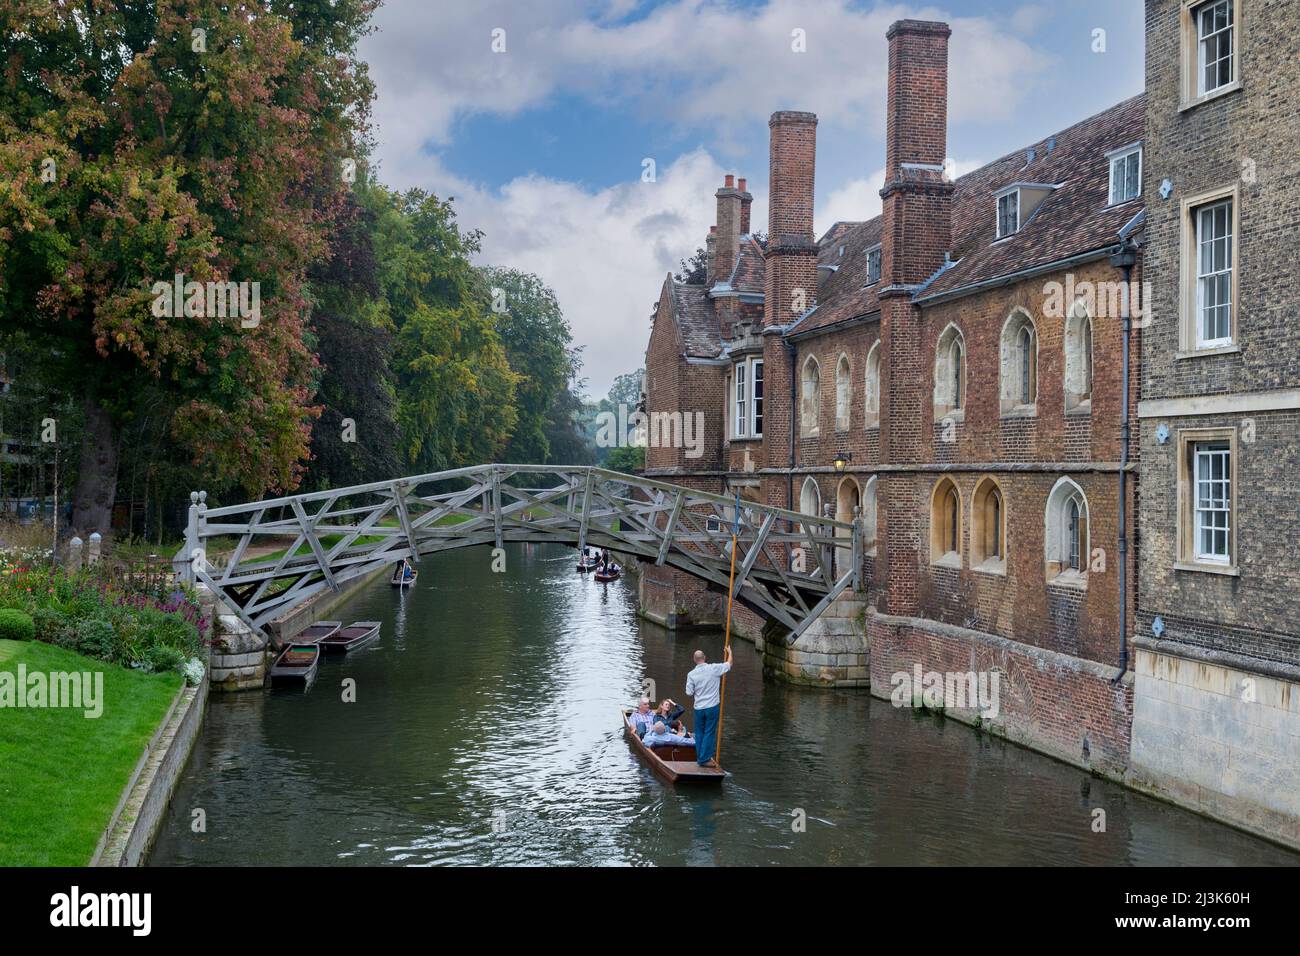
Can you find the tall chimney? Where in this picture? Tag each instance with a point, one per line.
(917, 201)
(728, 245)
(745, 200)
(791, 279)
(917, 234)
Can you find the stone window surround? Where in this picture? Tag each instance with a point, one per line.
(1011, 373)
(810, 398)
(871, 397)
(1188, 317)
(1190, 55)
(1079, 368)
(941, 528)
(1053, 537)
(946, 403)
(1185, 544)
(981, 560)
(751, 399)
(843, 393)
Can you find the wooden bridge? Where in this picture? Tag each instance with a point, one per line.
(785, 564)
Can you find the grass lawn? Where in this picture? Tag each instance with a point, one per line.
(61, 773)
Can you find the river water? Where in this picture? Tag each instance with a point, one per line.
(485, 731)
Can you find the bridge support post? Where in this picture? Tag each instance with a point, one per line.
(833, 652)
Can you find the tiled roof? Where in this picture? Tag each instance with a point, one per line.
(844, 293)
(1072, 219)
(750, 274)
(697, 324)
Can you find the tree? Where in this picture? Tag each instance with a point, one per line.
(695, 269)
(142, 141)
(536, 337)
(455, 389)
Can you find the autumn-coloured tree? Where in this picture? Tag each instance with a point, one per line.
(144, 140)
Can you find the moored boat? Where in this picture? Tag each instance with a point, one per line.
(296, 664)
(672, 762)
(313, 633)
(351, 637)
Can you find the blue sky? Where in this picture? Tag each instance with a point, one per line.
(543, 143)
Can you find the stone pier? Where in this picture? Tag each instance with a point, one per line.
(239, 654)
(833, 652)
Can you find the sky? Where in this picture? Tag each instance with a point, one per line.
(545, 119)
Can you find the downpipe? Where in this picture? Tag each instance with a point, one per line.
(1124, 259)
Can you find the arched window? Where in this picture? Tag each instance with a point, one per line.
(810, 498)
(870, 519)
(988, 527)
(873, 386)
(843, 393)
(1078, 358)
(810, 399)
(945, 524)
(848, 504)
(949, 373)
(1019, 364)
(1067, 534)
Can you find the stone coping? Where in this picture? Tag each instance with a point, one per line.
(135, 822)
(1209, 655)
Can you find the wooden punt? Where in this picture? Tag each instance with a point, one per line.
(351, 637)
(610, 574)
(676, 764)
(317, 632)
(586, 564)
(296, 664)
(399, 581)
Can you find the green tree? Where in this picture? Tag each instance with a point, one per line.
(135, 149)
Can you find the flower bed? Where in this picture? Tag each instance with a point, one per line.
(114, 613)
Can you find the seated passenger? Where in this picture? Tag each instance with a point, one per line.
(670, 712)
(659, 734)
(642, 717)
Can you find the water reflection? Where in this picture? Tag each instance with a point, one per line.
(485, 731)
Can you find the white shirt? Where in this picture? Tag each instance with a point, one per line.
(703, 684)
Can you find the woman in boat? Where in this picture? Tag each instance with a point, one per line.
(670, 712)
(642, 717)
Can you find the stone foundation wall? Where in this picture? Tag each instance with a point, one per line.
(1060, 705)
(835, 651)
(1220, 739)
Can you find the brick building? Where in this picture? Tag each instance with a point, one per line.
(963, 372)
(1217, 715)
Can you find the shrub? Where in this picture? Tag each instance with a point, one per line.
(16, 626)
(164, 658)
(52, 625)
(95, 637)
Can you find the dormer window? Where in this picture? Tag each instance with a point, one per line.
(873, 265)
(1008, 213)
(841, 252)
(1125, 174)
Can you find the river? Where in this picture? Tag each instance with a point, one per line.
(484, 731)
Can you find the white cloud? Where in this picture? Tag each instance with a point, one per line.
(697, 63)
(605, 252)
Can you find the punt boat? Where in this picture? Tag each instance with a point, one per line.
(673, 763)
(317, 632)
(296, 664)
(402, 581)
(351, 637)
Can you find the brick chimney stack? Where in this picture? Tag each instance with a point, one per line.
(917, 201)
(917, 234)
(745, 200)
(711, 246)
(730, 201)
(791, 281)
